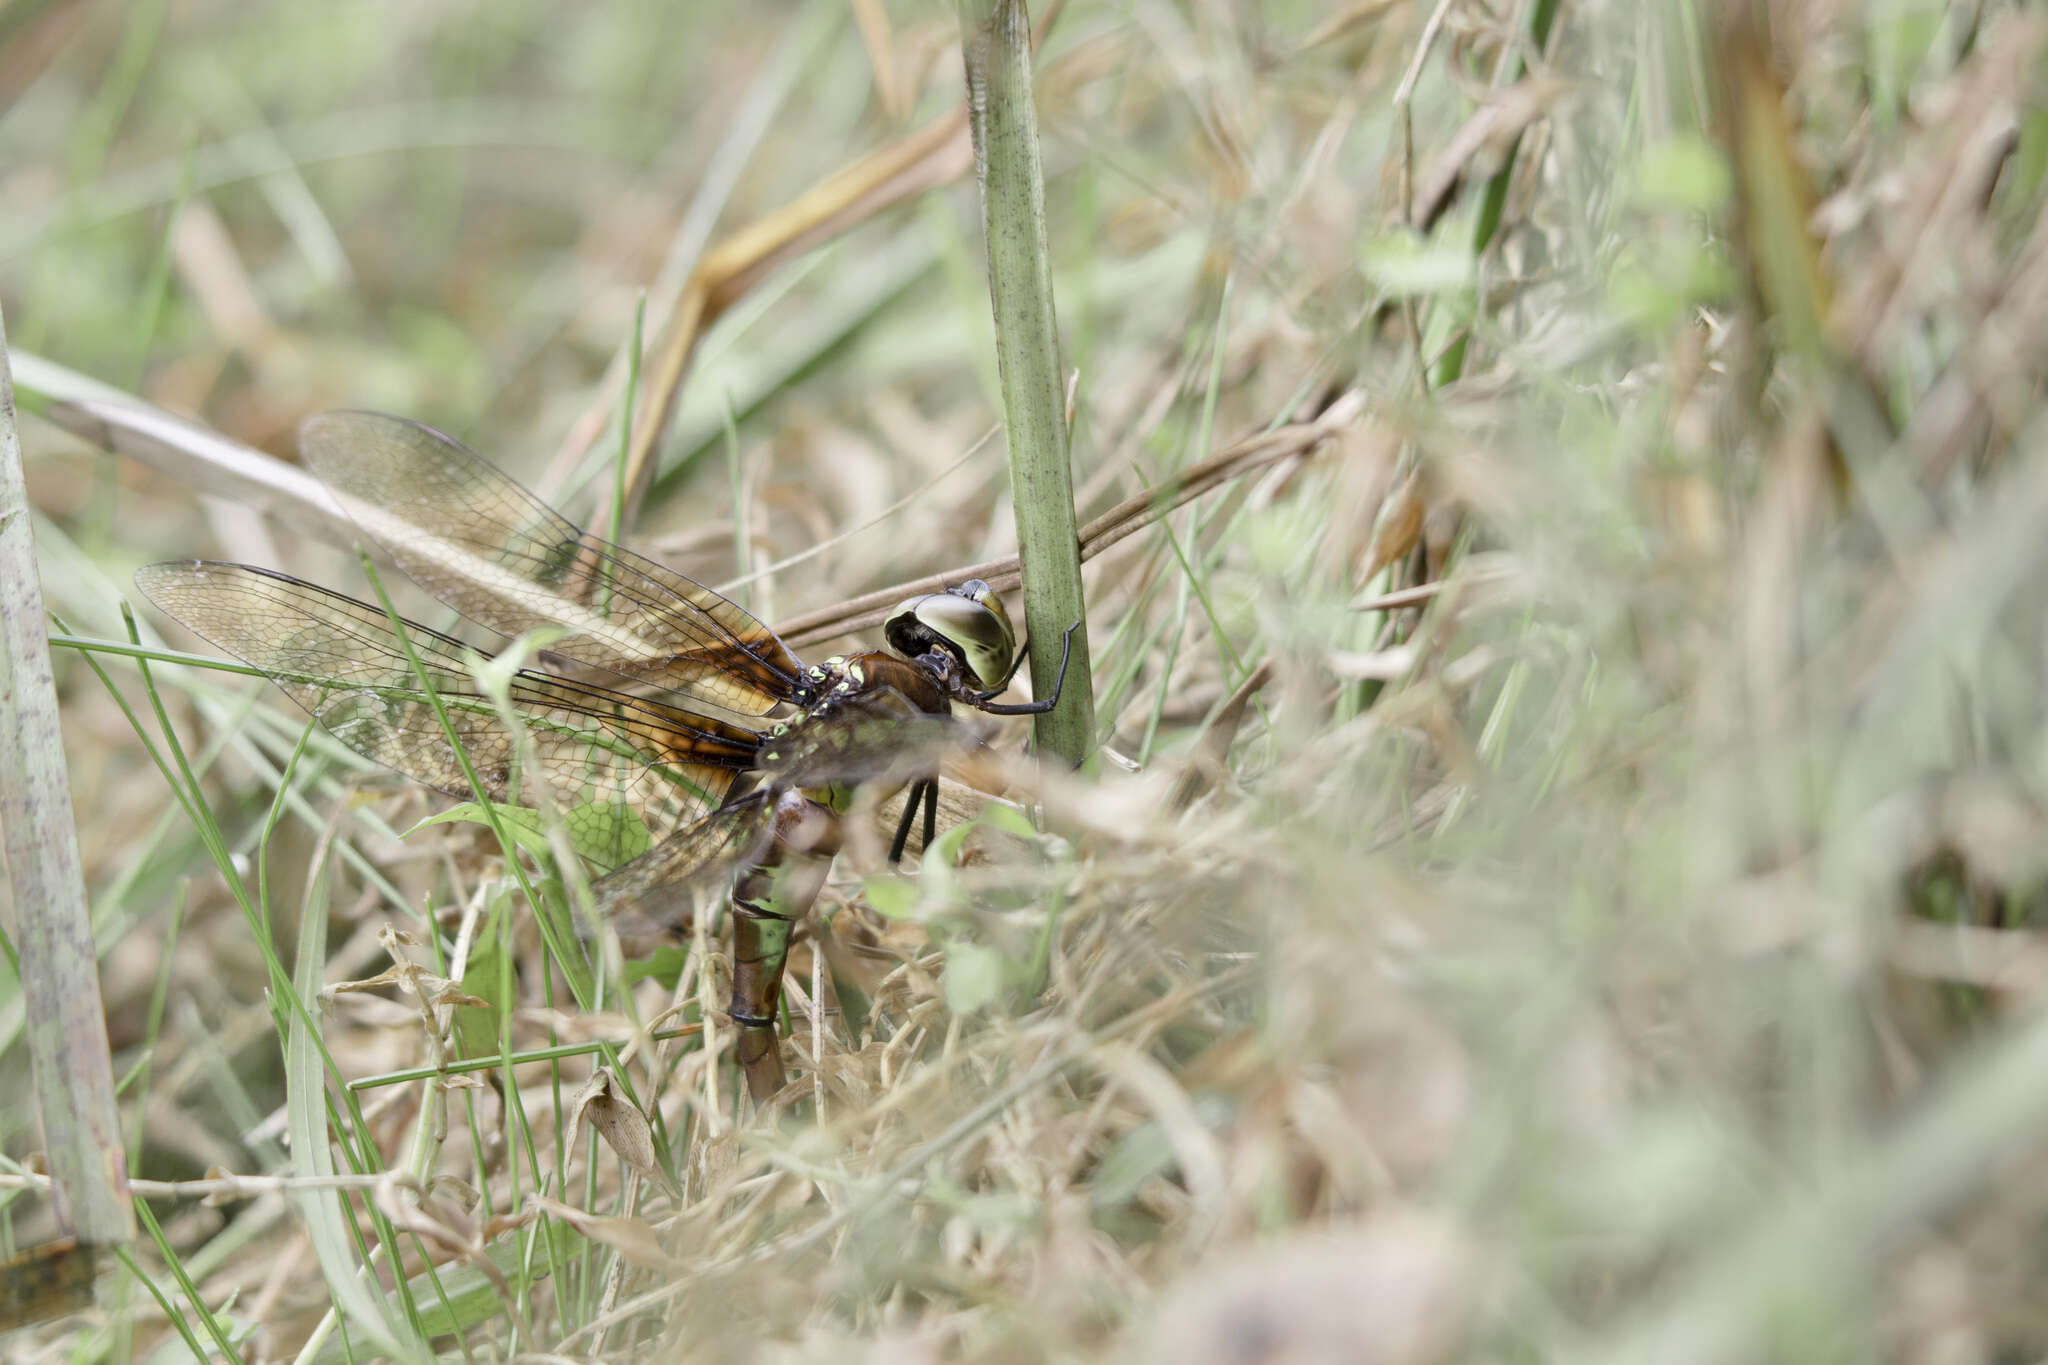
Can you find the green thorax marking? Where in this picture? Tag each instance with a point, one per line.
(838, 676)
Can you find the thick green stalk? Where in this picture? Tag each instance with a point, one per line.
(996, 41)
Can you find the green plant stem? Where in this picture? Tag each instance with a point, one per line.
(1542, 15)
(996, 44)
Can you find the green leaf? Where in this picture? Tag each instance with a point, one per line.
(1896, 45)
(606, 833)
(1657, 283)
(1404, 262)
(1681, 172)
(893, 897)
(494, 672)
(522, 825)
(1136, 1157)
(2029, 168)
(558, 927)
(373, 1314)
(973, 977)
(945, 849)
(665, 964)
(455, 1298)
(1005, 818)
(488, 977)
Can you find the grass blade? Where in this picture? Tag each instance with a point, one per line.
(67, 1034)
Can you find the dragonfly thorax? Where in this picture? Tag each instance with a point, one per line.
(843, 679)
(817, 686)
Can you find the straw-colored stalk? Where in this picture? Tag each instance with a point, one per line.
(67, 1034)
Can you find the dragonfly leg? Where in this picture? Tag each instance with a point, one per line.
(770, 896)
(982, 700)
(925, 790)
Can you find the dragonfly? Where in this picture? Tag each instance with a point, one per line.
(672, 734)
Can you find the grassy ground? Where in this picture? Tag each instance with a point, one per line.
(1562, 875)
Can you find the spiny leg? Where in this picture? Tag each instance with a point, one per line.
(767, 900)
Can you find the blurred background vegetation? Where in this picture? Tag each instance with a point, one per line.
(1565, 878)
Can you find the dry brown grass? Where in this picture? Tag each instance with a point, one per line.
(1568, 889)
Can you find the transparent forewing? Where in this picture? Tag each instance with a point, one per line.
(603, 758)
(472, 536)
(656, 889)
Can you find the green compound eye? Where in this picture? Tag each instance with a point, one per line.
(967, 622)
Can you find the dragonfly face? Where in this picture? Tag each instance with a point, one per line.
(661, 791)
(966, 624)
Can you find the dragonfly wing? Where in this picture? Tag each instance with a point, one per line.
(877, 738)
(475, 538)
(657, 889)
(595, 753)
(874, 738)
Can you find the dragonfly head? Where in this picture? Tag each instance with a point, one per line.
(967, 622)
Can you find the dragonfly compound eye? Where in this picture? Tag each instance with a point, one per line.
(967, 622)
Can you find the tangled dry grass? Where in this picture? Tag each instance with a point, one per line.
(1561, 881)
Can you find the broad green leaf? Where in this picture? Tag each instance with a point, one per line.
(893, 897)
